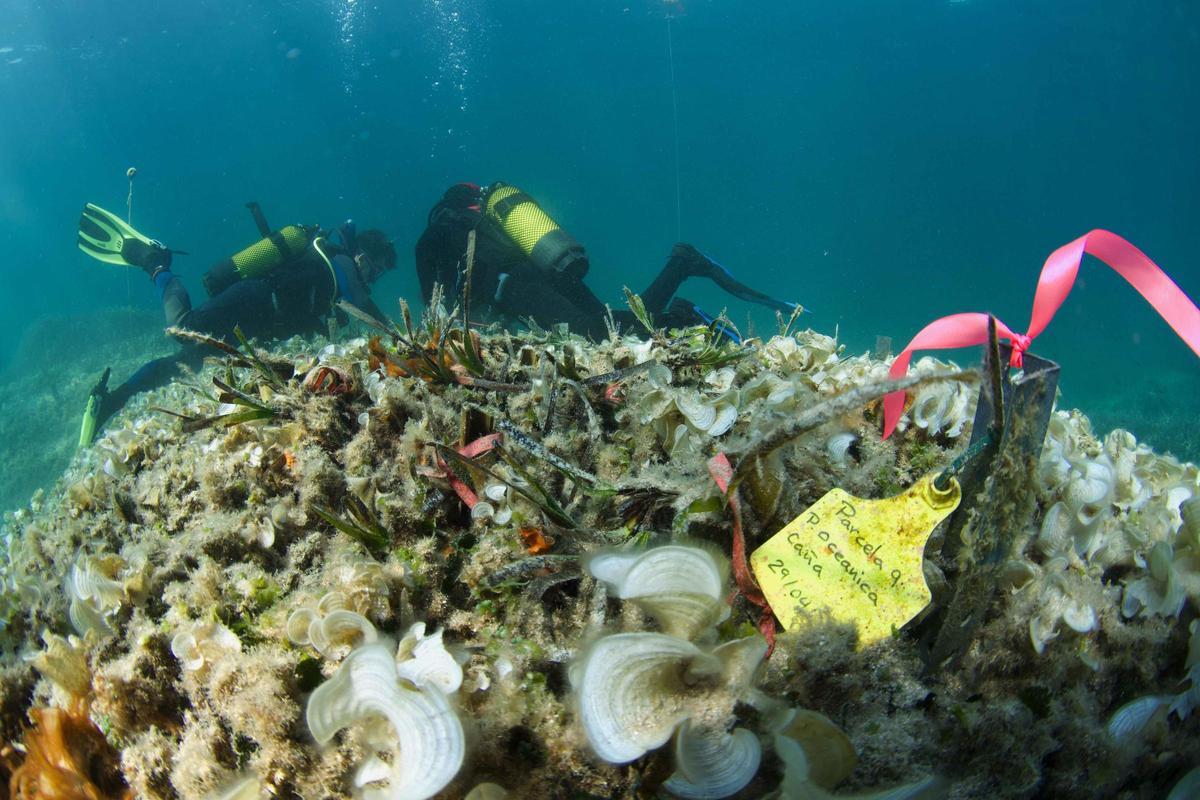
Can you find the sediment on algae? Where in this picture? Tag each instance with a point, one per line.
(157, 586)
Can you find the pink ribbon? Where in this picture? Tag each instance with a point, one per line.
(1054, 284)
(483, 444)
(722, 474)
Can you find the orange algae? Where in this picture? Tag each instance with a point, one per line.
(66, 758)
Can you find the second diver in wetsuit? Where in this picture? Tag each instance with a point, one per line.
(526, 266)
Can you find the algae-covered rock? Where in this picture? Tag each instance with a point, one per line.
(196, 586)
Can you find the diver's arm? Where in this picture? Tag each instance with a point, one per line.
(353, 290)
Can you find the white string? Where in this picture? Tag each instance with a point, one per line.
(129, 219)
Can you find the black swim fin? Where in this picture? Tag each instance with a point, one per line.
(697, 264)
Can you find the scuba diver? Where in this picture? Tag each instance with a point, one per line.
(284, 284)
(527, 266)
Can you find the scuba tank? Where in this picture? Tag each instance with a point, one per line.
(539, 237)
(275, 248)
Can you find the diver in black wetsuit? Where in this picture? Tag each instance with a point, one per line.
(285, 284)
(527, 266)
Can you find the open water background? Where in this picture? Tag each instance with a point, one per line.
(882, 162)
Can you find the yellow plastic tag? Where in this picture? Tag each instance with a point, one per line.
(854, 560)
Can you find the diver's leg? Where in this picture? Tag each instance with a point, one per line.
(665, 284)
(551, 302)
(688, 262)
(248, 304)
(175, 301)
(155, 261)
(150, 375)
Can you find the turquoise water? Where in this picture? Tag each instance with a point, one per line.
(883, 163)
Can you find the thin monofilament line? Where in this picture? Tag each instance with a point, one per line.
(675, 120)
(129, 219)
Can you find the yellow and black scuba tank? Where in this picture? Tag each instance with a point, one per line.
(539, 237)
(275, 248)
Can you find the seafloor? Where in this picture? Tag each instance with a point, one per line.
(233, 544)
(54, 366)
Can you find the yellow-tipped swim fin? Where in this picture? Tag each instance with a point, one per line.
(91, 412)
(103, 235)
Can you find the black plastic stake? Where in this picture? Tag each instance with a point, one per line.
(999, 495)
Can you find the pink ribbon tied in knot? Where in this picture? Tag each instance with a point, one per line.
(1054, 284)
(1020, 344)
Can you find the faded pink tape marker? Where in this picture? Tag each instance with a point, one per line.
(1054, 284)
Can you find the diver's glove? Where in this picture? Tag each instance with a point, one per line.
(93, 413)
